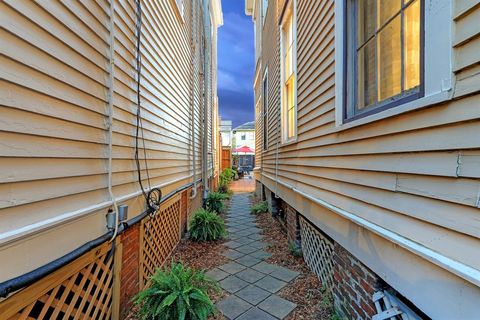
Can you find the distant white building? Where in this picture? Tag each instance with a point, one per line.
(244, 140)
(226, 132)
(244, 135)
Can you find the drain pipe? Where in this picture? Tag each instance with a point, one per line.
(110, 116)
(205, 110)
(192, 100)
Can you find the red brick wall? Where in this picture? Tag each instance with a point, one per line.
(129, 274)
(354, 286)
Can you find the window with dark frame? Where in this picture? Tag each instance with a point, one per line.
(265, 110)
(384, 54)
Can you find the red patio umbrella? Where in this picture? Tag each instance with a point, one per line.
(244, 149)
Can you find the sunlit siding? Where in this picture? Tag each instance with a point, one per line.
(415, 174)
(53, 106)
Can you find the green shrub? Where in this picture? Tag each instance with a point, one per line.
(260, 207)
(214, 202)
(206, 226)
(227, 176)
(177, 292)
(294, 250)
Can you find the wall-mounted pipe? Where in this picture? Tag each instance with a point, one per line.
(111, 74)
(460, 269)
(192, 97)
(33, 276)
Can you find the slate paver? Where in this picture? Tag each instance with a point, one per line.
(248, 260)
(270, 284)
(277, 306)
(232, 267)
(284, 274)
(253, 295)
(232, 254)
(232, 284)
(251, 281)
(233, 306)
(246, 249)
(256, 314)
(260, 254)
(250, 275)
(217, 274)
(264, 267)
(233, 244)
(258, 244)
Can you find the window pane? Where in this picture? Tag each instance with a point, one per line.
(366, 86)
(366, 20)
(412, 45)
(387, 9)
(291, 123)
(389, 60)
(290, 99)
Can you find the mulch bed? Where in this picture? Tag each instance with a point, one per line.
(306, 290)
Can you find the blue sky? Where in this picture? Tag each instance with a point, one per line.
(236, 59)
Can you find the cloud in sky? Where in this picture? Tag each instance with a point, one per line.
(236, 55)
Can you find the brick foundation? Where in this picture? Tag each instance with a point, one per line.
(354, 286)
(129, 275)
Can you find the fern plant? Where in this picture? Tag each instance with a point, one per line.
(260, 207)
(177, 292)
(206, 226)
(214, 202)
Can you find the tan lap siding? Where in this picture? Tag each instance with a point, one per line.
(53, 102)
(415, 174)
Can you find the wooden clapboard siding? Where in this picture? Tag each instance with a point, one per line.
(416, 174)
(466, 44)
(53, 105)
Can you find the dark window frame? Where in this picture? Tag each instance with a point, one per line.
(350, 62)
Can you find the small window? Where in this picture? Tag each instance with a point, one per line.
(384, 54)
(264, 10)
(265, 110)
(243, 137)
(289, 86)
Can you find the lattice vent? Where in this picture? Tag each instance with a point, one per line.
(159, 236)
(317, 251)
(81, 290)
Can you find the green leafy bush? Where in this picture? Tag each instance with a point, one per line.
(214, 202)
(227, 176)
(177, 292)
(260, 207)
(206, 226)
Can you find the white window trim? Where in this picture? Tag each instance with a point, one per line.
(285, 139)
(438, 75)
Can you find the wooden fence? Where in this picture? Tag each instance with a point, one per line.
(226, 157)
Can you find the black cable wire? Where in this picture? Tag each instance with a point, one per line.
(139, 124)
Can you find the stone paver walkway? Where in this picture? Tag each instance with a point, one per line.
(251, 282)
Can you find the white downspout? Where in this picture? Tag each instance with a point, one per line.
(111, 71)
(194, 50)
(205, 109)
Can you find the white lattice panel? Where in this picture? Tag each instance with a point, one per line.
(317, 252)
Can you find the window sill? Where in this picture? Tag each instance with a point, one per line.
(407, 107)
(289, 142)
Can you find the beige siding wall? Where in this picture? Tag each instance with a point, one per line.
(54, 107)
(415, 174)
